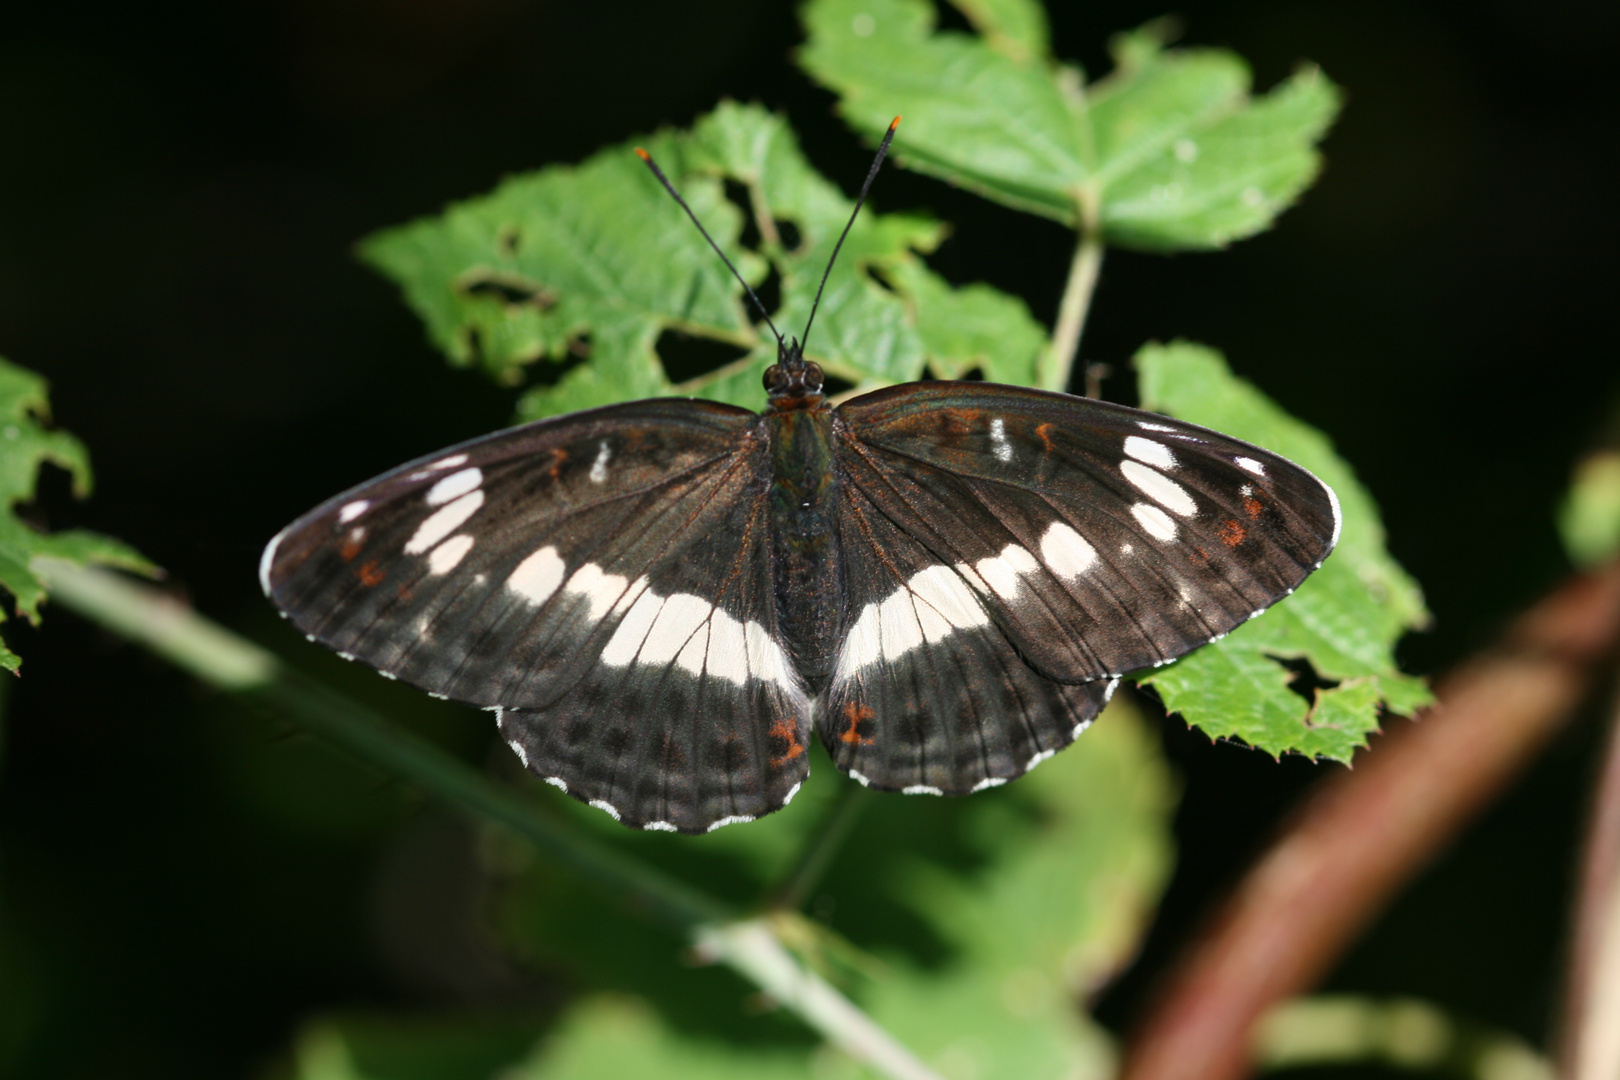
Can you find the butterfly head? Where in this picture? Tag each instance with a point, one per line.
(793, 382)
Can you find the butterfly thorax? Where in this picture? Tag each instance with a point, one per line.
(804, 536)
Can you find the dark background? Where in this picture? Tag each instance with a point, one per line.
(180, 189)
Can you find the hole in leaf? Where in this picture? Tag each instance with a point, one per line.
(686, 357)
(877, 276)
(511, 292)
(832, 386)
(1305, 682)
(737, 195)
(769, 292)
(507, 240)
(949, 18)
(789, 232)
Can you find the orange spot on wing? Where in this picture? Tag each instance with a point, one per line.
(557, 458)
(1041, 431)
(856, 714)
(352, 545)
(370, 575)
(1253, 507)
(1232, 533)
(785, 730)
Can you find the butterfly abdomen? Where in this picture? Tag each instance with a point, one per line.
(808, 571)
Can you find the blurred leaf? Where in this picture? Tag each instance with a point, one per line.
(991, 914)
(25, 445)
(589, 265)
(1589, 519)
(1081, 851)
(608, 1036)
(415, 1048)
(1014, 28)
(1345, 618)
(1167, 153)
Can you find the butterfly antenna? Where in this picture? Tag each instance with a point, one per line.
(669, 187)
(860, 200)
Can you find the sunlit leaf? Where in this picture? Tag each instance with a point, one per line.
(1589, 519)
(1344, 620)
(579, 270)
(1168, 152)
(26, 444)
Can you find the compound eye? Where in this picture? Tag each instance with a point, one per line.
(773, 377)
(812, 377)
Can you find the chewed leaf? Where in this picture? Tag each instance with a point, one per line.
(578, 271)
(25, 445)
(1168, 152)
(1343, 621)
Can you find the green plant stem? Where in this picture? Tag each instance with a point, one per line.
(822, 848)
(1084, 269)
(215, 655)
(751, 948)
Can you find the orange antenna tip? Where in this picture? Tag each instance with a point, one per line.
(894, 123)
(642, 154)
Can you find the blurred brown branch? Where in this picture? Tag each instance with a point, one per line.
(1364, 833)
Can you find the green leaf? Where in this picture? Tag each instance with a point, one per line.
(1015, 28)
(1169, 152)
(417, 1048)
(1589, 519)
(1082, 851)
(1033, 895)
(25, 445)
(1345, 618)
(587, 266)
(617, 1036)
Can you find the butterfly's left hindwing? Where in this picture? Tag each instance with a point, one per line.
(602, 581)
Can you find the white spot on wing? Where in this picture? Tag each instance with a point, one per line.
(859, 779)
(1251, 465)
(557, 782)
(606, 807)
(932, 604)
(1154, 453)
(921, 789)
(792, 791)
(660, 826)
(1002, 572)
(1154, 520)
(268, 559)
(517, 748)
(1066, 552)
(454, 486)
(447, 463)
(1159, 487)
(1145, 426)
(538, 576)
(998, 438)
(350, 511)
(1038, 758)
(443, 522)
(735, 819)
(988, 782)
(444, 558)
(601, 590)
(599, 466)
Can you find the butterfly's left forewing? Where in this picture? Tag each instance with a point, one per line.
(601, 581)
(1099, 538)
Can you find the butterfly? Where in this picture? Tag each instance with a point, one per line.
(664, 601)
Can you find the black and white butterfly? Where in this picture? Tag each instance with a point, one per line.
(659, 600)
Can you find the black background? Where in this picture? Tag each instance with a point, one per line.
(180, 190)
